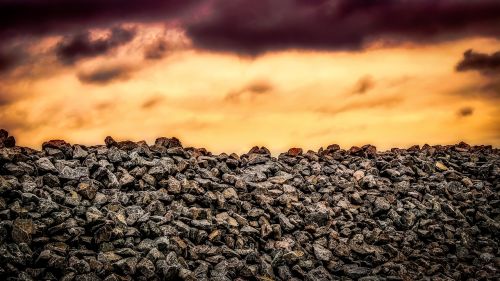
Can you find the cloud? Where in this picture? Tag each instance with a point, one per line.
(364, 85)
(488, 65)
(35, 17)
(255, 88)
(465, 111)
(152, 102)
(81, 46)
(6, 97)
(11, 59)
(106, 74)
(156, 50)
(484, 63)
(255, 27)
(361, 104)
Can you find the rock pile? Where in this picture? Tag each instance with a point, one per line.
(130, 211)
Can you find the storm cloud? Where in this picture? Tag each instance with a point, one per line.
(255, 27)
(10, 59)
(34, 17)
(82, 46)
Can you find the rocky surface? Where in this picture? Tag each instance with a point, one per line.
(129, 211)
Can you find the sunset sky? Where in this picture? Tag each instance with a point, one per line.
(230, 74)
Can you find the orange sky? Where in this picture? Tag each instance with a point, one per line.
(386, 95)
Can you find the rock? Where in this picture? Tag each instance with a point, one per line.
(354, 271)
(87, 190)
(126, 266)
(44, 165)
(294, 152)
(74, 174)
(358, 175)
(322, 253)
(58, 145)
(146, 268)
(134, 213)
(3, 134)
(381, 204)
(318, 274)
(126, 179)
(285, 223)
(230, 193)
(22, 229)
(10, 141)
(79, 152)
(441, 166)
(202, 224)
(110, 142)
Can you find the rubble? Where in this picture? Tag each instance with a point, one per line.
(129, 211)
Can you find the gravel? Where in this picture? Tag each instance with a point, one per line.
(133, 211)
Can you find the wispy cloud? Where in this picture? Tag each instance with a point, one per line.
(253, 89)
(106, 74)
(152, 102)
(364, 84)
(360, 104)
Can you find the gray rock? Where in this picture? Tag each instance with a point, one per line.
(44, 165)
(74, 174)
(322, 253)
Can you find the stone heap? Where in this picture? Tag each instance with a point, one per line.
(130, 211)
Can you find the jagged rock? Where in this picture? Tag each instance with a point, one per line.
(321, 253)
(22, 229)
(381, 204)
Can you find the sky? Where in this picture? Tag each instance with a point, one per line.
(229, 75)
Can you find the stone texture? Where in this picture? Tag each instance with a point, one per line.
(129, 211)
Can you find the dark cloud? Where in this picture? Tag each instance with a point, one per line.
(364, 85)
(254, 27)
(157, 50)
(83, 46)
(255, 88)
(465, 111)
(105, 75)
(489, 67)
(484, 63)
(35, 17)
(10, 59)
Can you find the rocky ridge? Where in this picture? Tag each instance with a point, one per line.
(133, 211)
